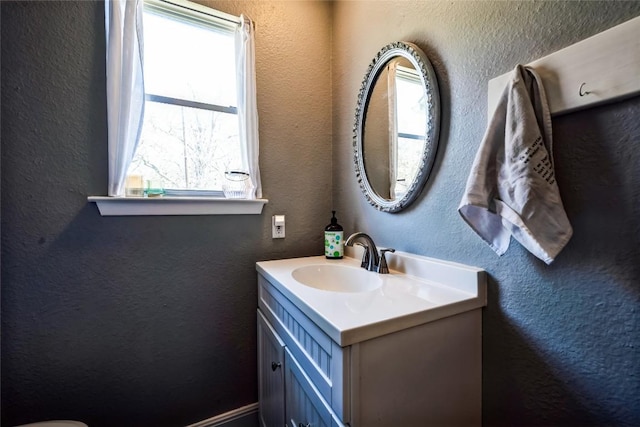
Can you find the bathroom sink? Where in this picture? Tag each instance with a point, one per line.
(337, 278)
(351, 304)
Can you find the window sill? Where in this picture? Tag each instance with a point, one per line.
(131, 206)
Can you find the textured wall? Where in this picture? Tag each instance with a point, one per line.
(142, 321)
(561, 343)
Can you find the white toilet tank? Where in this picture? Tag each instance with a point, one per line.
(58, 423)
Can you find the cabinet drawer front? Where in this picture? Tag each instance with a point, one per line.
(322, 359)
(304, 406)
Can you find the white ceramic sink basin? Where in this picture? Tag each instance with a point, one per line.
(337, 278)
(353, 305)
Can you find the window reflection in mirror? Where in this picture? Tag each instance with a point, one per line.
(395, 129)
(410, 130)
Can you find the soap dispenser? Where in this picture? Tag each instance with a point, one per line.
(333, 239)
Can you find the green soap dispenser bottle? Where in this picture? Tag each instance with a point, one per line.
(333, 239)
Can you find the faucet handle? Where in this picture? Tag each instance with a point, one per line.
(382, 266)
(365, 256)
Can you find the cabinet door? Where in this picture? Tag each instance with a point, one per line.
(270, 375)
(304, 406)
(322, 360)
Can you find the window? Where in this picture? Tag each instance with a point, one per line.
(181, 101)
(190, 132)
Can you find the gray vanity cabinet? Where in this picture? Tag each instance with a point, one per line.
(428, 374)
(299, 367)
(279, 371)
(303, 406)
(270, 375)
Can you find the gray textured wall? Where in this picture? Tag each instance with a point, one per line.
(561, 342)
(142, 321)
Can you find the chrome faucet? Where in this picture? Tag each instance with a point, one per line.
(370, 260)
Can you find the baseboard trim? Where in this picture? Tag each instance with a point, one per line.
(233, 415)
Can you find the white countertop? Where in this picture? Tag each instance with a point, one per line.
(417, 290)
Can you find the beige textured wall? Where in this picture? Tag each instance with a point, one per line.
(293, 68)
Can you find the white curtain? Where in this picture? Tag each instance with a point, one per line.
(247, 107)
(393, 127)
(125, 86)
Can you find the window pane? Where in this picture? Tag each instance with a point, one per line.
(412, 111)
(409, 150)
(187, 148)
(188, 61)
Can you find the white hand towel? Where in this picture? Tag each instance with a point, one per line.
(512, 190)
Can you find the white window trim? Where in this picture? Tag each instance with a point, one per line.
(131, 206)
(136, 206)
(179, 6)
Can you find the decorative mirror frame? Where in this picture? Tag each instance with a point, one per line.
(420, 62)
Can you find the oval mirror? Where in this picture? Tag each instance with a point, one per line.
(396, 129)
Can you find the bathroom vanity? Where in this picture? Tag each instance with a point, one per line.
(339, 345)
